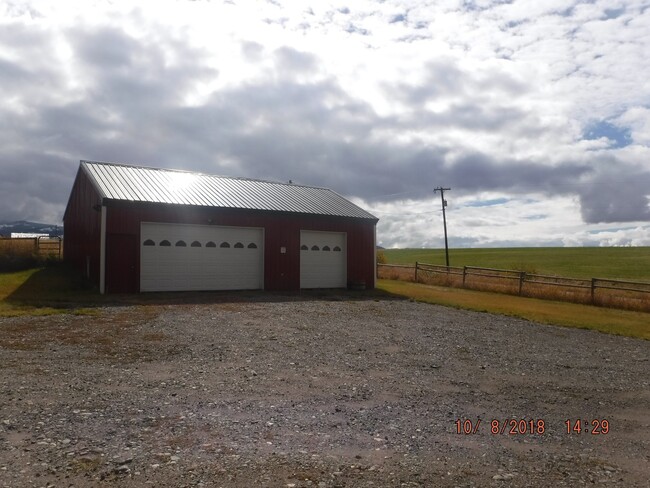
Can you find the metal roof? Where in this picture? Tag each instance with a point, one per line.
(157, 185)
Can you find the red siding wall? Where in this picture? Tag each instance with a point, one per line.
(281, 271)
(82, 228)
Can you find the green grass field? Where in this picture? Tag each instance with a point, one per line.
(44, 291)
(624, 263)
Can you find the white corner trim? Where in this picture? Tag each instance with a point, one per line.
(102, 253)
(374, 259)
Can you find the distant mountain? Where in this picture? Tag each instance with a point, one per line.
(6, 228)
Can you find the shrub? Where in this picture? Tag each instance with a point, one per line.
(381, 257)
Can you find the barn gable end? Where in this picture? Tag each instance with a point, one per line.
(82, 227)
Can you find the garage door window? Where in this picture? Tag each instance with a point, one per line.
(316, 248)
(181, 243)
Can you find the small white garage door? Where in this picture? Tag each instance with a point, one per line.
(176, 257)
(323, 259)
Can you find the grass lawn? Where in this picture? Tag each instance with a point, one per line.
(625, 263)
(611, 321)
(43, 291)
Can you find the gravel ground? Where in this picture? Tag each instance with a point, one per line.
(314, 390)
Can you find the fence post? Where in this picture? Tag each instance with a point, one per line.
(593, 290)
(522, 277)
(464, 275)
(416, 271)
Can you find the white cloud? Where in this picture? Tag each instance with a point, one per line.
(635, 236)
(638, 120)
(370, 98)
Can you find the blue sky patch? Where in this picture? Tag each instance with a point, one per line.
(487, 203)
(611, 229)
(619, 136)
(536, 217)
(614, 13)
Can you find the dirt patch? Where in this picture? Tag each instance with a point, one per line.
(317, 392)
(121, 333)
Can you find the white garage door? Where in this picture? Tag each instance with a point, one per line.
(200, 257)
(323, 259)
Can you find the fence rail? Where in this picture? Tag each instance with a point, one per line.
(634, 295)
(28, 246)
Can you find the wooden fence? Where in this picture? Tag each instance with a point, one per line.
(32, 246)
(632, 295)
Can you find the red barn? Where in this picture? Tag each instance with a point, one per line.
(131, 229)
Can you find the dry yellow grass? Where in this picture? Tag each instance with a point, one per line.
(26, 247)
(611, 321)
(611, 298)
(25, 253)
(405, 273)
(18, 247)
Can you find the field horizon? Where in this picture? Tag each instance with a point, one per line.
(622, 263)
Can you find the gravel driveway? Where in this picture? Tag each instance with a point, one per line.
(317, 390)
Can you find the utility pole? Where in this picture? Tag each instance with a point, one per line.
(443, 202)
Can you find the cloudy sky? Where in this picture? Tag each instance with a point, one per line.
(535, 113)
